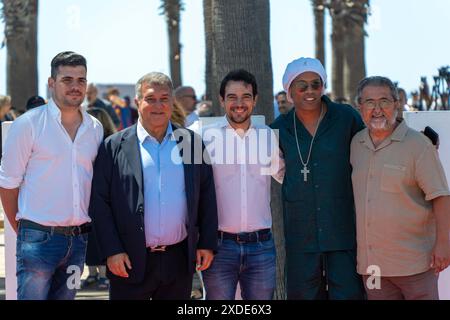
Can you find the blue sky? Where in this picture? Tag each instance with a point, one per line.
(407, 39)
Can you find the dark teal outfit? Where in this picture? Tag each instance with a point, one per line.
(319, 214)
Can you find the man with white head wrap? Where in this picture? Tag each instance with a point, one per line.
(317, 192)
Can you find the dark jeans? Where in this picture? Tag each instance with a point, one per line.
(250, 264)
(49, 266)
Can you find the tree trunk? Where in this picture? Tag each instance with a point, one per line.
(172, 9)
(349, 17)
(240, 38)
(278, 233)
(354, 60)
(337, 62)
(319, 29)
(207, 16)
(21, 43)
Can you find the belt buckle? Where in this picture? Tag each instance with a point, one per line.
(75, 231)
(238, 239)
(158, 248)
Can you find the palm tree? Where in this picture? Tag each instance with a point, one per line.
(354, 60)
(233, 41)
(337, 48)
(207, 14)
(348, 35)
(319, 22)
(171, 10)
(20, 17)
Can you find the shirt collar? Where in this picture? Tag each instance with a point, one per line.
(55, 112)
(397, 135)
(53, 108)
(142, 134)
(224, 123)
(400, 132)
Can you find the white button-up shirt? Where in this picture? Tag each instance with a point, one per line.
(242, 169)
(53, 172)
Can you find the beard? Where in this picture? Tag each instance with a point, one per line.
(235, 117)
(68, 100)
(239, 118)
(382, 124)
(73, 102)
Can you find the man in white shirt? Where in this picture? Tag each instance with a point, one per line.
(243, 155)
(45, 183)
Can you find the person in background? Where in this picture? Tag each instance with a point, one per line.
(134, 112)
(5, 115)
(403, 103)
(204, 108)
(120, 107)
(105, 120)
(34, 102)
(187, 99)
(284, 106)
(5, 109)
(95, 102)
(178, 116)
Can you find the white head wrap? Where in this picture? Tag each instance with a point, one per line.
(299, 66)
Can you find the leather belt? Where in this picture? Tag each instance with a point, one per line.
(164, 248)
(247, 237)
(67, 231)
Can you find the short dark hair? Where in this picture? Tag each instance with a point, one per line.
(239, 75)
(66, 58)
(34, 101)
(282, 92)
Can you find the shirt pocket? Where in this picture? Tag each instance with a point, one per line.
(392, 178)
(32, 236)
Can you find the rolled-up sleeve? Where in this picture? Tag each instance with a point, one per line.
(16, 153)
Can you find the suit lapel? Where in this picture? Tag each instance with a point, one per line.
(188, 167)
(130, 147)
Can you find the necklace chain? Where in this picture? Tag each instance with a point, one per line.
(305, 164)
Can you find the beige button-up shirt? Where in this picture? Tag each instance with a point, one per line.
(393, 186)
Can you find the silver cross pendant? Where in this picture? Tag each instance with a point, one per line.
(305, 172)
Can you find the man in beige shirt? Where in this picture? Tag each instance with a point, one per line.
(402, 201)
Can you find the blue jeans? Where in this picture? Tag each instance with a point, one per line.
(250, 264)
(43, 261)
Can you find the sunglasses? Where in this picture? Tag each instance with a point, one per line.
(302, 86)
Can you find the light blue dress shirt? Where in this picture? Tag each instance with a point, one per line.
(166, 212)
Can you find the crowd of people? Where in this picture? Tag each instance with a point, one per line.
(147, 203)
